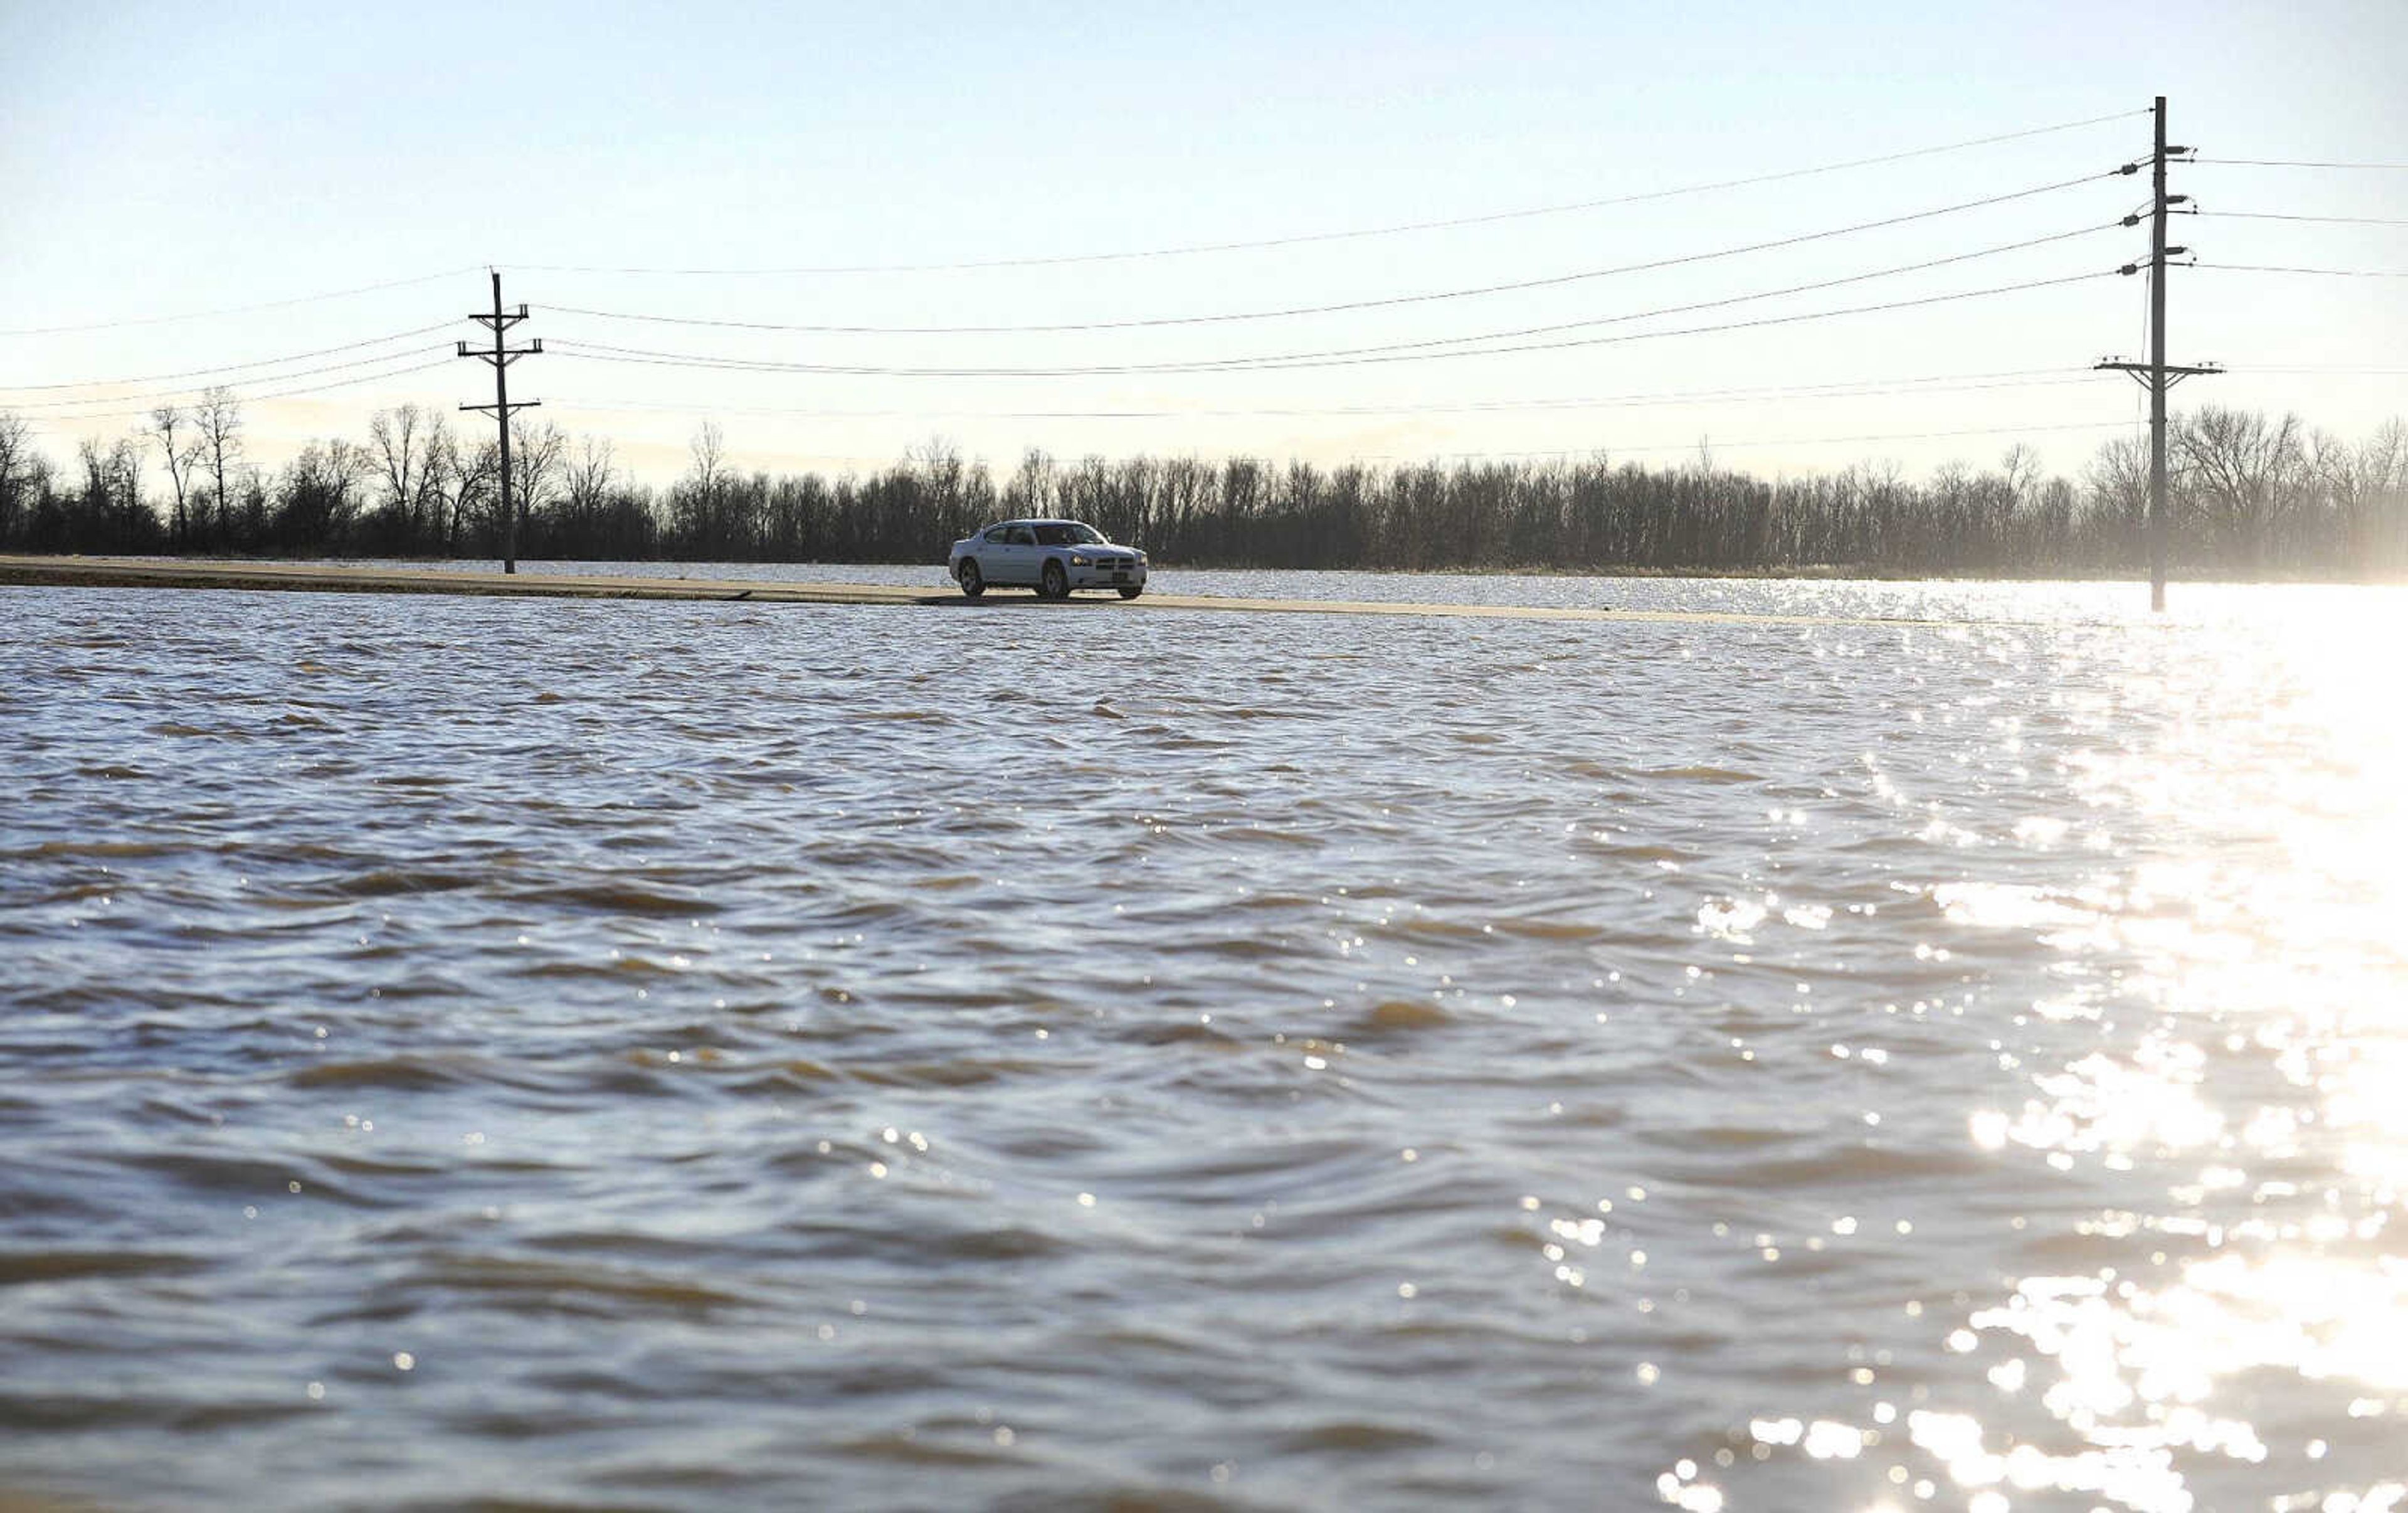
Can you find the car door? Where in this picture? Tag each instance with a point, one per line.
(1020, 556)
(993, 549)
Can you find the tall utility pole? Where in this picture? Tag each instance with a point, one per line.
(2155, 375)
(501, 357)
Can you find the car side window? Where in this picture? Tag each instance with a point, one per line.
(1021, 536)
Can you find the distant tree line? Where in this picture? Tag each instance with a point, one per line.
(2252, 494)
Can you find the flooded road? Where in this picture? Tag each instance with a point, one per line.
(678, 1055)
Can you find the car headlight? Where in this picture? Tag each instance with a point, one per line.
(1077, 561)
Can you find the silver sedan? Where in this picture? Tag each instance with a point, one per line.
(1052, 556)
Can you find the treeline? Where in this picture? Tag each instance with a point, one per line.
(2251, 494)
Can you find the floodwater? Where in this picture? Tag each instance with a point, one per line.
(680, 1055)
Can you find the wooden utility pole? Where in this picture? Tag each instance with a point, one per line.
(2155, 375)
(501, 356)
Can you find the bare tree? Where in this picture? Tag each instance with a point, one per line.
(179, 447)
(709, 473)
(699, 498)
(2241, 474)
(320, 493)
(401, 442)
(2118, 477)
(439, 446)
(2359, 482)
(1031, 490)
(464, 480)
(219, 417)
(111, 498)
(2386, 521)
(538, 457)
(16, 470)
(946, 476)
(590, 475)
(2021, 466)
(96, 489)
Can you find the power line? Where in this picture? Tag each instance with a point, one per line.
(266, 378)
(1321, 357)
(2367, 372)
(237, 309)
(1514, 333)
(230, 367)
(249, 398)
(2327, 219)
(2297, 163)
(1384, 302)
(1726, 301)
(597, 352)
(1870, 388)
(1795, 441)
(2277, 267)
(1399, 229)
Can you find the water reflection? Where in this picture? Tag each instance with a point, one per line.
(2239, 1326)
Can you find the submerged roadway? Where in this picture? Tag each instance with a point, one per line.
(327, 577)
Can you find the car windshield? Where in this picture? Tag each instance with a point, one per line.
(1068, 533)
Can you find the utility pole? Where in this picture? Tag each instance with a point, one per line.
(501, 357)
(2155, 375)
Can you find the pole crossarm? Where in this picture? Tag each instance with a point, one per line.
(2174, 373)
(502, 356)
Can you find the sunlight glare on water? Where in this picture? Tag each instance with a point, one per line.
(2266, 1080)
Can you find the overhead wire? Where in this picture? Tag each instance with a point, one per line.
(574, 348)
(1513, 333)
(2327, 220)
(2298, 162)
(229, 367)
(251, 397)
(1379, 303)
(574, 345)
(2312, 368)
(264, 377)
(1866, 388)
(1355, 234)
(2278, 267)
(1811, 286)
(237, 309)
(1790, 440)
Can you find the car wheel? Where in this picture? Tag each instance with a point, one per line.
(973, 584)
(1055, 584)
(1133, 592)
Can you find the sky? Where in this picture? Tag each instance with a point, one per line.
(254, 195)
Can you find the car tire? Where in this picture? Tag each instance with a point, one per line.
(973, 583)
(1055, 583)
(1132, 593)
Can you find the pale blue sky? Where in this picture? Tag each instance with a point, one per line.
(162, 160)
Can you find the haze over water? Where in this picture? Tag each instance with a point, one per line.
(695, 1054)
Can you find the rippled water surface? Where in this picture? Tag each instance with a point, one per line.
(701, 1054)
